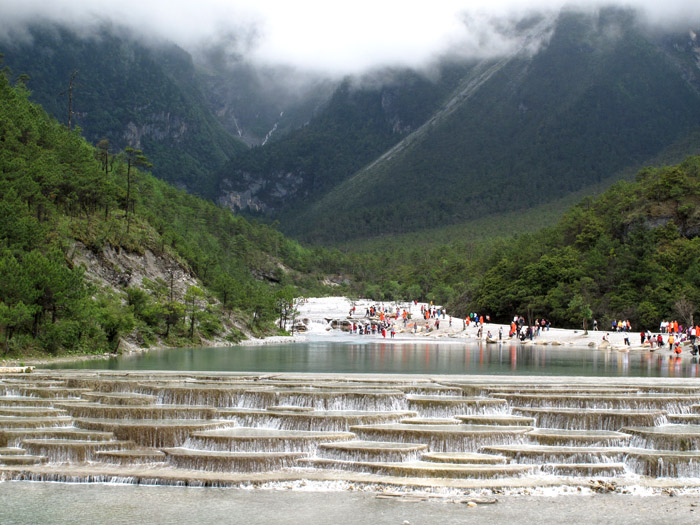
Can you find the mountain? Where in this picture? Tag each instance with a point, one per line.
(586, 100)
(137, 93)
(362, 119)
(631, 253)
(91, 258)
(258, 104)
(601, 95)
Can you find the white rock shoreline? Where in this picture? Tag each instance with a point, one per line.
(319, 311)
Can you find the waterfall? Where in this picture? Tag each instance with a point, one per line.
(223, 430)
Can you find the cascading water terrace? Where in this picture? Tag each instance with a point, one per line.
(233, 429)
(307, 418)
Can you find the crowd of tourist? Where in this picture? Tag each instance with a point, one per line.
(621, 326)
(676, 336)
(382, 320)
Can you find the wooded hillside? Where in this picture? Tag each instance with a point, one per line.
(63, 201)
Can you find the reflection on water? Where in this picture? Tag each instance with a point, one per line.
(351, 356)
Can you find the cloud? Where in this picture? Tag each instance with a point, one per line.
(325, 35)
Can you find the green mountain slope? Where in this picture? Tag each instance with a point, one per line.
(599, 98)
(392, 152)
(361, 121)
(633, 253)
(84, 263)
(145, 96)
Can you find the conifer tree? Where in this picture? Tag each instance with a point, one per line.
(134, 158)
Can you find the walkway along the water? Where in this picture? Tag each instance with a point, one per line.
(460, 432)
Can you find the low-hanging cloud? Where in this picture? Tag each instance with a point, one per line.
(322, 35)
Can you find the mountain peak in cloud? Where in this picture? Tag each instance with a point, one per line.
(331, 37)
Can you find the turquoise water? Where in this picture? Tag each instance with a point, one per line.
(353, 356)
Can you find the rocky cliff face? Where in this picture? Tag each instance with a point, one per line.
(260, 194)
(362, 120)
(251, 101)
(157, 126)
(118, 269)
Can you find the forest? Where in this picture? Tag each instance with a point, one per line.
(632, 253)
(59, 194)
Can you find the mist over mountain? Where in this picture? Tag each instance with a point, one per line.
(360, 122)
(258, 104)
(605, 94)
(146, 97)
(333, 38)
(188, 114)
(496, 107)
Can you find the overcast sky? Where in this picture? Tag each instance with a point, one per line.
(326, 35)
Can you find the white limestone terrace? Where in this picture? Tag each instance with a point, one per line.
(323, 316)
(116, 426)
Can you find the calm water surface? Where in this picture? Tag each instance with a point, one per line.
(23, 503)
(358, 356)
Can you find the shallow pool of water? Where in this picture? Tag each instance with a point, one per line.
(393, 357)
(56, 503)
